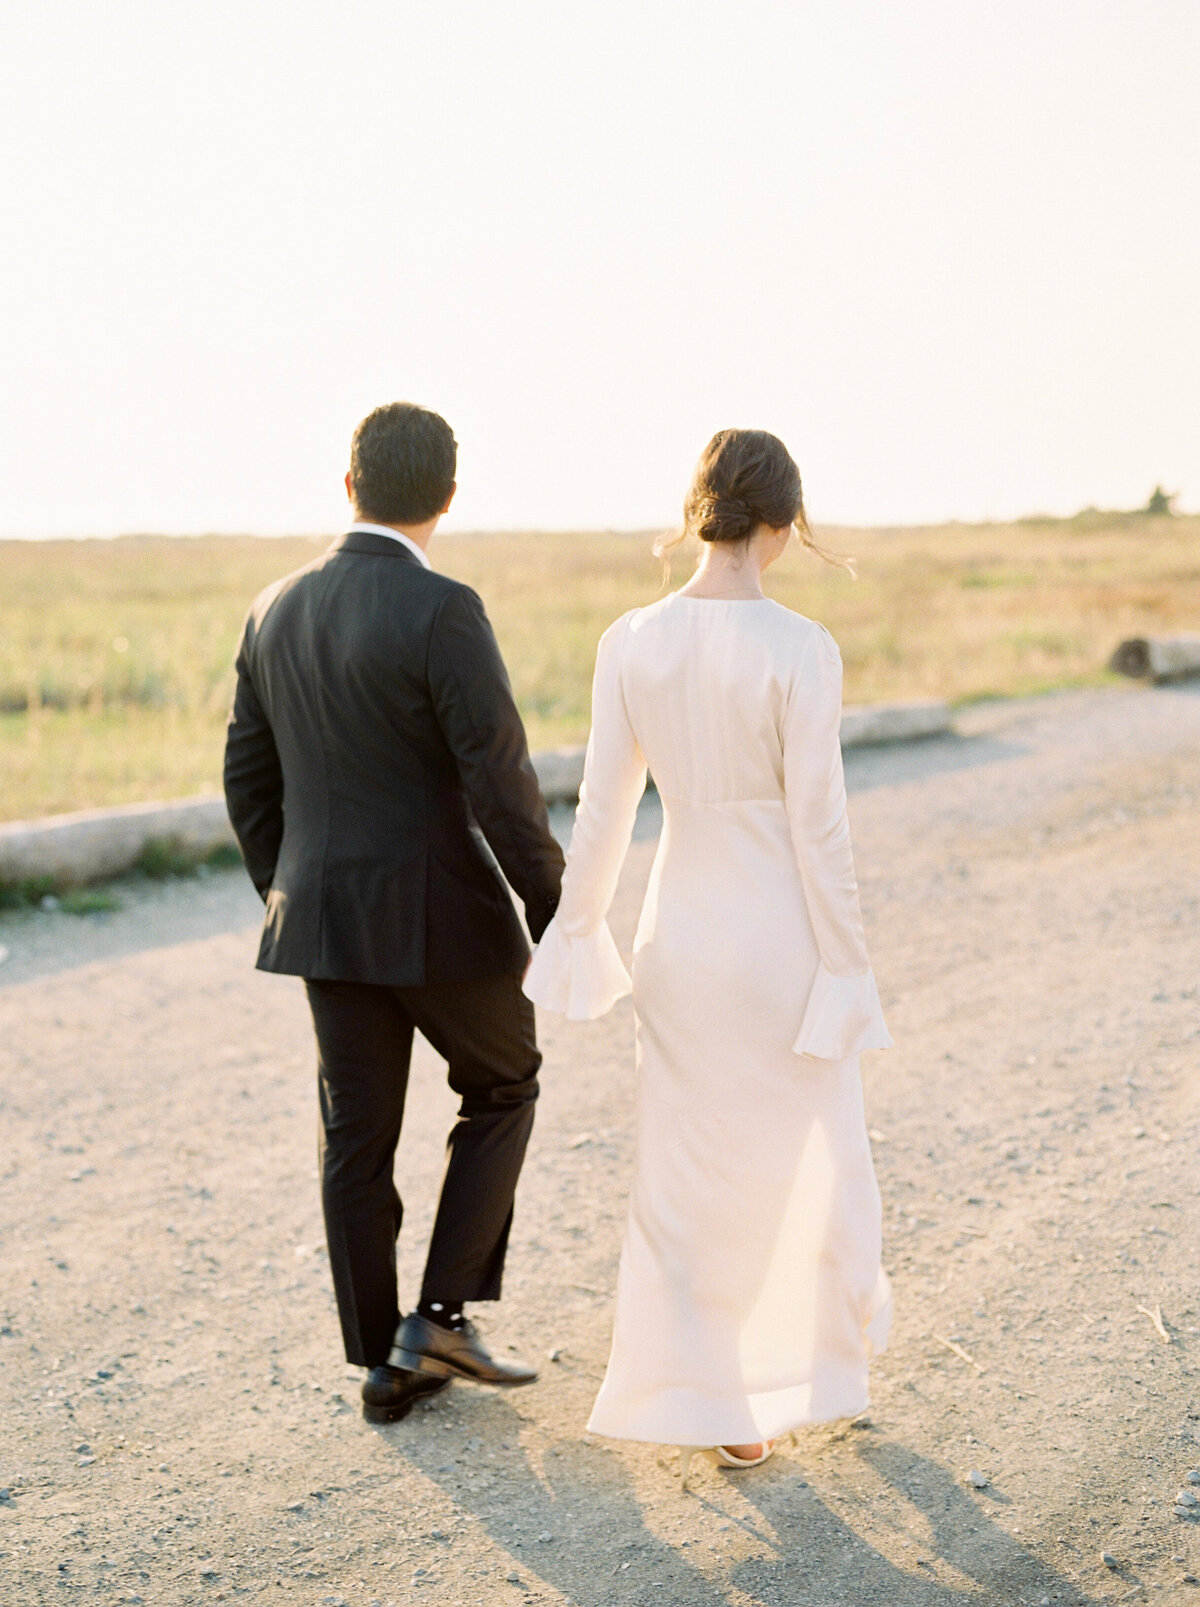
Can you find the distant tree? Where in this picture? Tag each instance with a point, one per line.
(1160, 501)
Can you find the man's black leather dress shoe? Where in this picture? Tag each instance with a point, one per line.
(389, 1392)
(423, 1347)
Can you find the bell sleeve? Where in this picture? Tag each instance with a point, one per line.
(576, 970)
(843, 1015)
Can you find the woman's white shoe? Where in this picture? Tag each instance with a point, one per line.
(728, 1460)
(724, 1456)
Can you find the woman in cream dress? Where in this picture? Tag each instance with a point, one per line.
(750, 1294)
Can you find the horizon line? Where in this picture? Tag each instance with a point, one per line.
(631, 532)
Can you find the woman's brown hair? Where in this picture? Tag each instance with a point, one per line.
(745, 478)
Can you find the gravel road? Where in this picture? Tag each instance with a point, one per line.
(179, 1428)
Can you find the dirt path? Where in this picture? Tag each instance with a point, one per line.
(178, 1428)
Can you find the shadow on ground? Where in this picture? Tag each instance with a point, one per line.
(574, 1522)
(931, 756)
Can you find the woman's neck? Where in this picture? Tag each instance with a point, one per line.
(727, 570)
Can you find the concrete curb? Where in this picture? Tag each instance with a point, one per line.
(97, 843)
(867, 725)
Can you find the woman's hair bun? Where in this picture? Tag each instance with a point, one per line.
(725, 519)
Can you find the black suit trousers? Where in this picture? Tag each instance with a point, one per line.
(485, 1032)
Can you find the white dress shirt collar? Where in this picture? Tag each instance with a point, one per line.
(396, 535)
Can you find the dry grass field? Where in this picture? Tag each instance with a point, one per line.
(115, 655)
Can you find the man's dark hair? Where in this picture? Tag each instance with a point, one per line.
(402, 462)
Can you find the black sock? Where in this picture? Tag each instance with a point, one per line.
(445, 1313)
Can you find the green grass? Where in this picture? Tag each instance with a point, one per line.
(89, 901)
(115, 657)
(27, 892)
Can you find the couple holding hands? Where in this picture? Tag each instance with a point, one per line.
(379, 782)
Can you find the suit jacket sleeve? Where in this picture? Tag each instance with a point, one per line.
(475, 709)
(253, 776)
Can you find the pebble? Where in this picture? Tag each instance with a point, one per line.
(514, 1579)
(553, 1355)
(1182, 1511)
(1194, 1476)
(1189, 1579)
(977, 1479)
(209, 1573)
(1109, 1561)
(1187, 1498)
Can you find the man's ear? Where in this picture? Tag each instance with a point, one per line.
(349, 487)
(448, 501)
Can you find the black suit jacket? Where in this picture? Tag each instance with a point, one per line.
(373, 733)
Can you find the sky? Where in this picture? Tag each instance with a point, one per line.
(949, 252)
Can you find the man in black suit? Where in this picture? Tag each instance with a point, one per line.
(373, 747)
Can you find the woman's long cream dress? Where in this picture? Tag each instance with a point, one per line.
(750, 1294)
